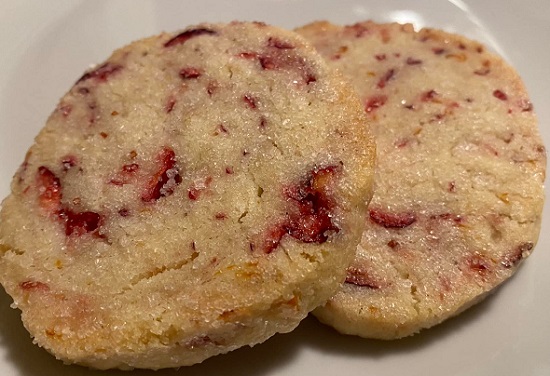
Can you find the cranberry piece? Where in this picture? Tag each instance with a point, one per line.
(49, 189)
(79, 223)
(359, 277)
(279, 44)
(413, 61)
(68, 162)
(165, 179)
(102, 73)
(34, 285)
(248, 55)
(312, 220)
(478, 264)
(500, 95)
(194, 191)
(250, 101)
(188, 34)
(514, 257)
(391, 220)
(428, 95)
(380, 57)
(189, 73)
(273, 237)
(438, 50)
(385, 78)
(375, 102)
(170, 104)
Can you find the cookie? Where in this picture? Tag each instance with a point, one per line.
(195, 193)
(459, 178)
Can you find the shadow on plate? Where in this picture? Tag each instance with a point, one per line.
(279, 351)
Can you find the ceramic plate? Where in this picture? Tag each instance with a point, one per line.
(45, 46)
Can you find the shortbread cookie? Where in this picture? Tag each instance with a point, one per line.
(459, 180)
(195, 193)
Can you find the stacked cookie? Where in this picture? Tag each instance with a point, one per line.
(203, 190)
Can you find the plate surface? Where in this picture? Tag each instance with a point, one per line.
(46, 45)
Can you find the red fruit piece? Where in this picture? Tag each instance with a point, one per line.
(413, 61)
(279, 44)
(478, 264)
(34, 285)
(391, 220)
(428, 96)
(273, 237)
(359, 277)
(500, 95)
(49, 190)
(194, 191)
(188, 34)
(250, 101)
(102, 73)
(375, 102)
(79, 223)
(68, 162)
(311, 219)
(189, 73)
(385, 78)
(169, 106)
(126, 174)
(165, 179)
(514, 257)
(279, 60)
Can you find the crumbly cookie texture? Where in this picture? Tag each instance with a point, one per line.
(459, 178)
(195, 193)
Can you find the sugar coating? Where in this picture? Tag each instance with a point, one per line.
(459, 178)
(197, 192)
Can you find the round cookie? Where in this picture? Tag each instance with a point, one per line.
(459, 178)
(195, 193)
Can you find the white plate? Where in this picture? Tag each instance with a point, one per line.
(45, 46)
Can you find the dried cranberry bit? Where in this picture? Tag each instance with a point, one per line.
(124, 212)
(500, 95)
(79, 223)
(33, 286)
(170, 105)
(478, 264)
(375, 102)
(312, 221)
(514, 257)
(102, 73)
(188, 34)
(250, 101)
(279, 44)
(194, 191)
(359, 277)
(393, 244)
(220, 216)
(229, 170)
(438, 50)
(525, 105)
(68, 162)
(428, 95)
(65, 109)
(189, 73)
(385, 78)
(451, 187)
(49, 189)
(392, 220)
(248, 55)
(166, 178)
(413, 61)
(380, 57)
(273, 238)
